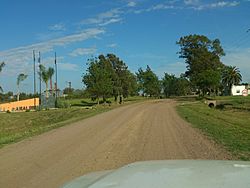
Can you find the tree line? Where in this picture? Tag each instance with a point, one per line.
(108, 76)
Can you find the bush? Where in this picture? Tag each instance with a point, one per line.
(63, 104)
(8, 111)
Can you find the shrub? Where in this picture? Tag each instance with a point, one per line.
(63, 104)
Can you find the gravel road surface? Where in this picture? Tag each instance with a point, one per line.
(149, 130)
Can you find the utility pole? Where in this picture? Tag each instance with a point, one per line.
(56, 80)
(40, 81)
(34, 66)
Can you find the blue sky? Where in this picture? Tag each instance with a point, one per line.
(140, 32)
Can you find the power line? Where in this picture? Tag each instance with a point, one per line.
(241, 41)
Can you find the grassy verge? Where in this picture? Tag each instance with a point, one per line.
(229, 127)
(20, 125)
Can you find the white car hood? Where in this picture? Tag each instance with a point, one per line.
(170, 174)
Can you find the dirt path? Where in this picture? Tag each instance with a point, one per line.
(143, 131)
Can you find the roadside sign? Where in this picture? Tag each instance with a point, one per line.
(245, 92)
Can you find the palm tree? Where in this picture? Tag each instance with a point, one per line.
(21, 77)
(1, 68)
(231, 76)
(51, 72)
(43, 73)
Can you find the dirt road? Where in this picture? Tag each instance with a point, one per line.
(143, 131)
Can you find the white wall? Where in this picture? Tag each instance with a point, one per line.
(237, 90)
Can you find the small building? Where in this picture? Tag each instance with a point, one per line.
(22, 105)
(237, 90)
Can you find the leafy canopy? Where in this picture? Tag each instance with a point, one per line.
(202, 57)
(149, 83)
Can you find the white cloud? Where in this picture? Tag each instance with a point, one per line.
(82, 51)
(57, 27)
(68, 67)
(188, 4)
(113, 45)
(220, 4)
(131, 4)
(162, 7)
(49, 61)
(19, 59)
(111, 16)
(191, 2)
(112, 20)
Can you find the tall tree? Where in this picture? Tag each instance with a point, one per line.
(119, 76)
(124, 82)
(51, 72)
(230, 76)
(202, 57)
(1, 68)
(21, 77)
(99, 78)
(149, 83)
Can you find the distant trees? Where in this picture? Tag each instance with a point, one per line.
(1, 68)
(21, 77)
(148, 82)
(7, 97)
(10, 97)
(202, 57)
(109, 76)
(230, 76)
(174, 86)
(68, 91)
(45, 75)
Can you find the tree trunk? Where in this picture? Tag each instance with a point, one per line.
(121, 99)
(104, 100)
(51, 85)
(18, 93)
(98, 100)
(47, 93)
(230, 90)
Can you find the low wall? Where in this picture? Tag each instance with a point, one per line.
(22, 105)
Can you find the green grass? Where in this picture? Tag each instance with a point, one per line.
(17, 126)
(229, 127)
(20, 125)
(89, 102)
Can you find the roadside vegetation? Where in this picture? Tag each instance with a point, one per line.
(228, 126)
(20, 125)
